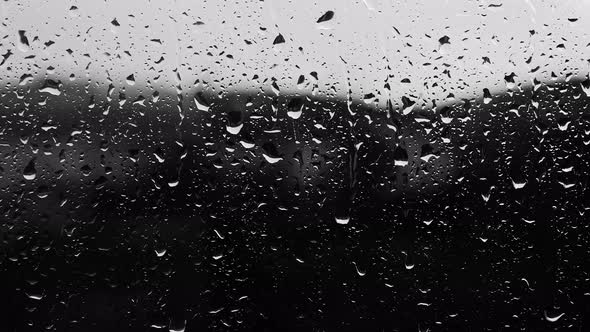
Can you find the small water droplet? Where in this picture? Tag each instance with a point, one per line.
(552, 318)
(30, 173)
(177, 326)
(409, 262)
(279, 39)
(160, 252)
(342, 220)
(359, 271)
(326, 17)
(130, 79)
(23, 41)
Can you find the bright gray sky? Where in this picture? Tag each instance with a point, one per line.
(191, 35)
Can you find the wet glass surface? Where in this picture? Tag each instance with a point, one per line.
(275, 167)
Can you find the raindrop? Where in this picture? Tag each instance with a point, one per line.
(271, 160)
(51, 87)
(342, 220)
(552, 318)
(326, 17)
(487, 96)
(271, 154)
(400, 156)
(409, 262)
(177, 326)
(359, 271)
(36, 297)
(279, 40)
(295, 108)
(25, 79)
(201, 102)
(160, 252)
(130, 79)
(444, 40)
(23, 44)
(30, 173)
(518, 184)
(234, 130)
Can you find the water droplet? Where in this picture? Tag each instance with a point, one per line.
(23, 41)
(326, 17)
(358, 270)
(51, 87)
(234, 130)
(130, 79)
(247, 145)
(519, 184)
(409, 262)
(279, 39)
(271, 160)
(400, 156)
(201, 102)
(36, 297)
(552, 318)
(30, 173)
(160, 252)
(342, 220)
(487, 96)
(177, 326)
(295, 114)
(25, 79)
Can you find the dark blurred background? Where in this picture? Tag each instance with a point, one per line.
(230, 213)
